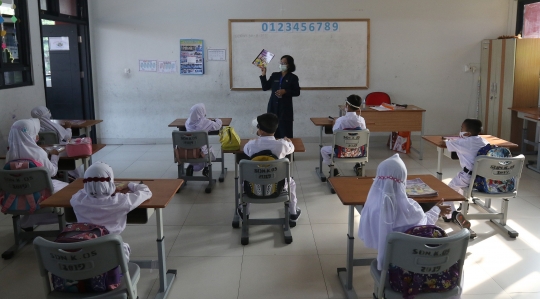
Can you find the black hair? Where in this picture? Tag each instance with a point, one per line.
(268, 122)
(291, 67)
(354, 101)
(474, 126)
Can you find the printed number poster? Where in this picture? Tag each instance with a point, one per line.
(191, 57)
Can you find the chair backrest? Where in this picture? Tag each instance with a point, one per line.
(424, 255)
(265, 175)
(82, 260)
(499, 169)
(189, 140)
(352, 143)
(48, 138)
(377, 98)
(25, 181)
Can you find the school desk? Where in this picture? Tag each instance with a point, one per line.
(353, 191)
(239, 155)
(84, 125)
(163, 191)
(439, 142)
(530, 114)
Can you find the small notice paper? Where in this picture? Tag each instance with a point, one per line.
(168, 67)
(147, 65)
(216, 54)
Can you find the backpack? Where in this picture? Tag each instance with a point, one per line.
(410, 284)
(260, 190)
(494, 186)
(110, 280)
(28, 202)
(230, 141)
(344, 152)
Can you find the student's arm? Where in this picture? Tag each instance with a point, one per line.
(68, 134)
(266, 84)
(433, 215)
(337, 124)
(216, 125)
(139, 194)
(362, 123)
(454, 145)
(289, 146)
(294, 87)
(51, 165)
(247, 149)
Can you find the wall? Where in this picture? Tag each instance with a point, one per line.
(16, 103)
(418, 52)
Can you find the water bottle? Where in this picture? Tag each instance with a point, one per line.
(363, 103)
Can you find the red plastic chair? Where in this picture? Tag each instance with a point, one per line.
(377, 98)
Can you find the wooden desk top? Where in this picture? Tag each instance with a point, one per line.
(181, 122)
(79, 123)
(326, 122)
(63, 155)
(297, 142)
(354, 190)
(438, 141)
(410, 108)
(163, 191)
(533, 111)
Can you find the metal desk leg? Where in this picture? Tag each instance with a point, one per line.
(318, 170)
(422, 135)
(165, 279)
(524, 136)
(346, 274)
(440, 151)
(236, 218)
(223, 169)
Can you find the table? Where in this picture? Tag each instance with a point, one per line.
(163, 191)
(438, 141)
(353, 191)
(84, 125)
(239, 155)
(530, 114)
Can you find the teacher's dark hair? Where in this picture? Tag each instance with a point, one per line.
(290, 63)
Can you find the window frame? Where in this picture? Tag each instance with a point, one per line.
(520, 14)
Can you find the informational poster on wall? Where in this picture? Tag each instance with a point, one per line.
(147, 65)
(168, 67)
(191, 57)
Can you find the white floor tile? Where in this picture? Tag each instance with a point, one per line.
(207, 241)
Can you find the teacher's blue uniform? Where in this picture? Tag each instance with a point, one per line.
(282, 107)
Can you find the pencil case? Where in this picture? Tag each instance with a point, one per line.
(79, 147)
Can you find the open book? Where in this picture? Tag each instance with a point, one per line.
(49, 148)
(417, 188)
(263, 59)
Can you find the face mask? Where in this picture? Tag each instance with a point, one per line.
(282, 67)
(462, 134)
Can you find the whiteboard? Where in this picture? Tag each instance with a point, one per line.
(325, 58)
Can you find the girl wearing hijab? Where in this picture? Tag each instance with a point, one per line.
(388, 209)
(22, 146)
(44, 115)
(99, 202)
(197, 121)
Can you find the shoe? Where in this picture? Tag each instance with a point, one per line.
(358, 169)
(460, 220)
(189, 170)
(294, 217)
(205, 171)
(336, 172)
(28, 229)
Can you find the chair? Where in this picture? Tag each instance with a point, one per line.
(352, 140)
(377, 98)
(265, 173)
(419, 255)
(83, 260)
(48, 138)
(497, 169)
(22, 182)
(193, 140)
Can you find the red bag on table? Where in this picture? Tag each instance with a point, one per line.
(79, 147)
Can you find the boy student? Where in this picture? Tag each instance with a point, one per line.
(466, 147)
(267, 125)
(350, 121)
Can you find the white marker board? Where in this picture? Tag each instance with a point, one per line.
(328, 53)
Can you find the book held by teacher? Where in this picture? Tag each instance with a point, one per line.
(263, 59)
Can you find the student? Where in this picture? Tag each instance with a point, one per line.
(466, 147)
(350, 121)
(22, 145)
(267, 125)
(197, 121)
(101, 203)
(44, 115)
(388, 209)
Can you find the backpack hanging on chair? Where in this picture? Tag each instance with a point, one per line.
(489, 185)
(260, 190)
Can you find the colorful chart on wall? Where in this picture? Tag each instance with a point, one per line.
(191, 57)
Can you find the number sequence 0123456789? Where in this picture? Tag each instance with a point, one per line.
(299, 27)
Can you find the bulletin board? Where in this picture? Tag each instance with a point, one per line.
(328, 53)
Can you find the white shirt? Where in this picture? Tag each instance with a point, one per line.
(280, 147)
(349, 121)
(466, 149)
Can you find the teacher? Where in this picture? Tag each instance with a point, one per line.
(284, 85)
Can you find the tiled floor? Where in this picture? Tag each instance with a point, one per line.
(211, 263)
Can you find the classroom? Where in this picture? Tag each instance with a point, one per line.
(422, 53)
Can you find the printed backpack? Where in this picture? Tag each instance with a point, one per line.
(344, 152)
(494, 186)
(411, 284)
(260, 190)
(110, 280)
(28, 202)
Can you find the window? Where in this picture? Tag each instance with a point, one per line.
(528, 18)
(15, 62)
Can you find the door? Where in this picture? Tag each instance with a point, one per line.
(63, 88)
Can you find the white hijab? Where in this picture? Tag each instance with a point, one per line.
(387, 207)
(197, 120)
(99, 181)
(22, 141)
(44, 115)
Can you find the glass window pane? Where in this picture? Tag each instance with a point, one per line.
(47, 22)
(68, 7)
(11, 52)
(43, 4)
(14, 77)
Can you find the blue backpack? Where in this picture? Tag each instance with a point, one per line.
(494, 186)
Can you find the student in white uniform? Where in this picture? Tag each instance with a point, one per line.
(197, 121)
(22, 145)
(44, 115)
(466, 147)
(101, 203)
(266, 127)
(351, 121)
(388, 209)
